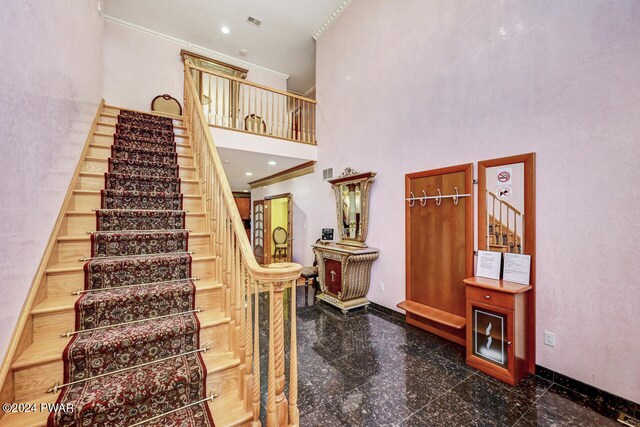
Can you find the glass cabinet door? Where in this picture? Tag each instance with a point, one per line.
(490, 336)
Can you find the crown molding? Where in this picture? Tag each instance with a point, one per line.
(285, 175)
(332, 18)
(188, 45)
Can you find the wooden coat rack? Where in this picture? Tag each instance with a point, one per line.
(439, 249)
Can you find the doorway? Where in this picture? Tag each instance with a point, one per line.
(273, 229)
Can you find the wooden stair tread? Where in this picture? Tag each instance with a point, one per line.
(88, 236)
(106, 160)
(435, 314)
(228, 411)
(97, 192)
(78, 266)
(110, 135)
(115, 116)
(66, 302)
(30, 419)
(101, 123)
(153, 113)
(93, 213)
(50, 350)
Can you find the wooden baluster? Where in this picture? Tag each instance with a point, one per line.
(261, 115)
(255, 109)
(294, 413)
(314, 124)
(515, 231)
(210, 96)
(501, 232)
(256, 354)
(285, 117)
(495, 232)
(225, 102)
(200, 87)
(272, 114)
(239, 295)
(215, 102)
(307, 114)
(508, 215)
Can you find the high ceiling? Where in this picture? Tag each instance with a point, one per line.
(283, 42)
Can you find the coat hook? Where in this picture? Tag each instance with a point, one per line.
(439, 198)
(412, 201)
(455, 198)
(423, 202)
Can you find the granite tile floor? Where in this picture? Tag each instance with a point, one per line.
(367, 368)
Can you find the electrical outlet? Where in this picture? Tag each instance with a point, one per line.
(381, 287)
(549, 339)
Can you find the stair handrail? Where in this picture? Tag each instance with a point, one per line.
(242, 276)
(230, 101)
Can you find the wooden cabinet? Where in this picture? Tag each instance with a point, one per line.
(496, 328)
(244, 206)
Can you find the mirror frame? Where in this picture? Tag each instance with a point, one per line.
(529, 161)
(351, 176)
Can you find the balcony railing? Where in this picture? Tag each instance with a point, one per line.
(233, 103)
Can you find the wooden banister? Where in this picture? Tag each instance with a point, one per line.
(241, 274)
(233, 103)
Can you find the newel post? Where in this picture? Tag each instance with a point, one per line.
(277, 411)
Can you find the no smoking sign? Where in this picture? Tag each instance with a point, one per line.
(504, 176)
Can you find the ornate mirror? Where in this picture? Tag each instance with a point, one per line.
(352, 205)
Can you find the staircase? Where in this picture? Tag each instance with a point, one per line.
(502, 230)
(35, 363)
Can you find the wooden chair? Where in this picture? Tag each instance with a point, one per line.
(280, 237)
(166, 104)
(308, 273)
(255, 124)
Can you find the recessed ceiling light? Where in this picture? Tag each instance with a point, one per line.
(243, 52)
(225, 30)
(246, 191)
(272, 163)
(249, 173)
(225, 161)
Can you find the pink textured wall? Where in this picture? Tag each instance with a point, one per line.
(139, 65)
(425, 84)
(51, 85)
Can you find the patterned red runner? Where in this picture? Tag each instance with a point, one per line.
(133, 355)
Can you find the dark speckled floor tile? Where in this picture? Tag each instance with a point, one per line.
(451, 411)
(367, 405)
(370, 369)
(573, 406)
(492, 399)
(531, 387)
(540, 416)
(323, 416)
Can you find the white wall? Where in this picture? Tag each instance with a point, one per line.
(437, 83)
(140, 64)
(52, 85)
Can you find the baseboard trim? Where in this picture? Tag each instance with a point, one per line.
(599, 400)
(395, 314)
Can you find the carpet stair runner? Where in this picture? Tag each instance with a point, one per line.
(135, 356)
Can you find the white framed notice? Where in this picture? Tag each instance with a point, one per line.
(489, 264)
(517, 268)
